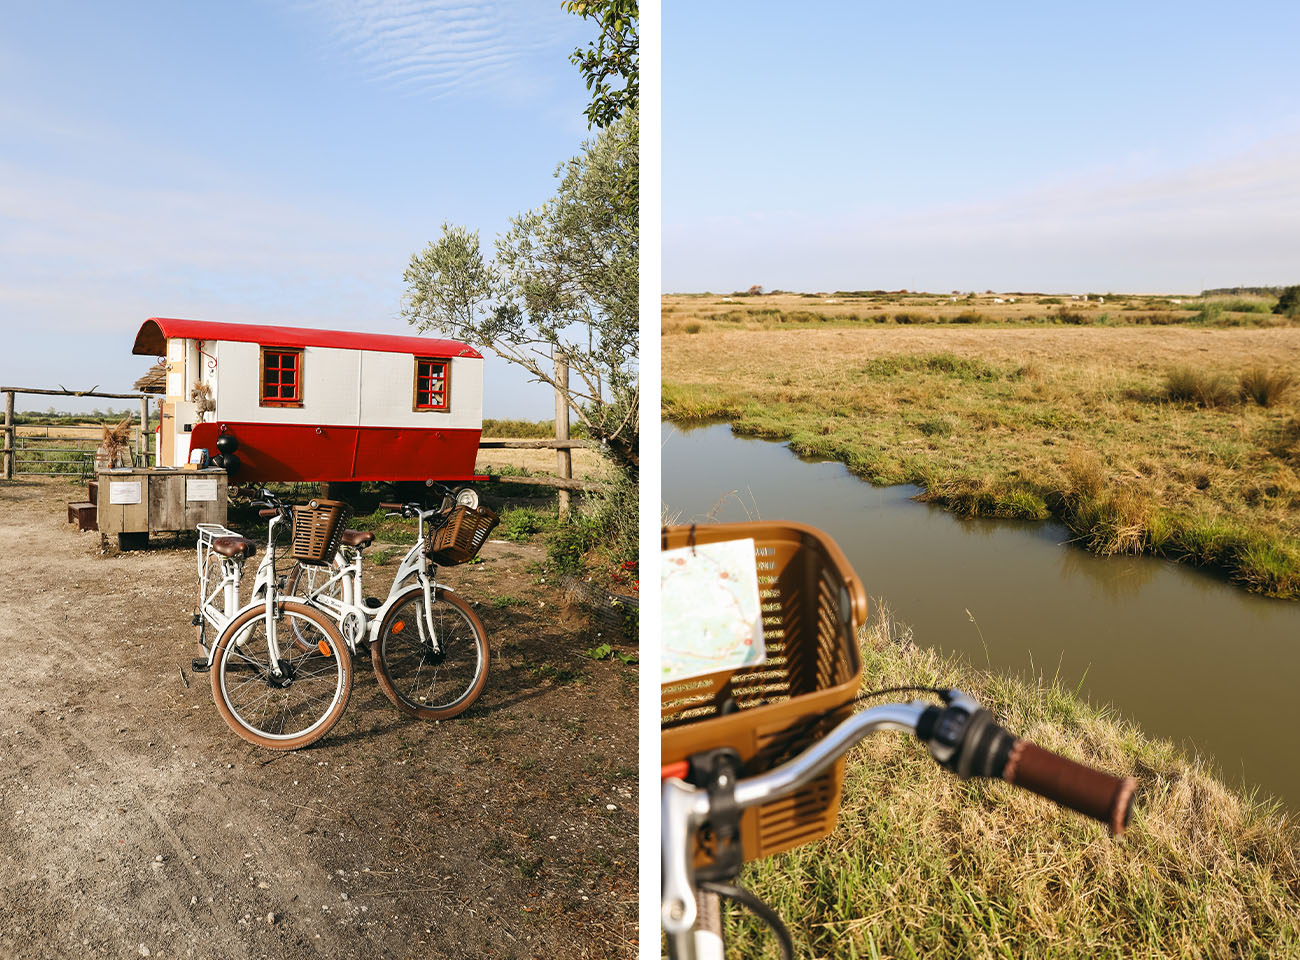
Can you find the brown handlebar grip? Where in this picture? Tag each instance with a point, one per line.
(1090, 792)
(268, 512)
(391, 506)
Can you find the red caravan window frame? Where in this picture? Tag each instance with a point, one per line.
(446, 386)
(280, 401)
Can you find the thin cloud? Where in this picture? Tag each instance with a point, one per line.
(437, 48)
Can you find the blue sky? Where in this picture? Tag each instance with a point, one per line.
(261, 162)
(1093, 147)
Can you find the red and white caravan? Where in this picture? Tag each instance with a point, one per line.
(318, 405)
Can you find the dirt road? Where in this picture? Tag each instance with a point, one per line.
(134, 823)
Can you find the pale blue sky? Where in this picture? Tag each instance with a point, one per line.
(261, 162)
(1090, 147)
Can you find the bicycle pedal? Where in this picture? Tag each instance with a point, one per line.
(196, 620)
(374, 603)
(199, 665)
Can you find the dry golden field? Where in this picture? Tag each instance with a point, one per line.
(586, 463)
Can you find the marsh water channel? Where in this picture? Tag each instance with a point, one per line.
(1183, 653)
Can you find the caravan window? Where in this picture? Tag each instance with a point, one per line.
(431, 384)
(281, 377)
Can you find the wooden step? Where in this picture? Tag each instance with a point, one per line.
(93, 491)
(84, 514)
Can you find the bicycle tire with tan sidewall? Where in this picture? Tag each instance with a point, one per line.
(338, 650)
(378, 649)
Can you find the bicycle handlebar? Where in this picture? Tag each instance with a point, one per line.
(1088, 791)
(961, 736)
(964, 738)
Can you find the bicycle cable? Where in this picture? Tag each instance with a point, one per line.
(780, 750)
(746, 898)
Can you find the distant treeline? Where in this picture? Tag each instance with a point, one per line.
(506, 429)
(1243, 291)
(64, 418)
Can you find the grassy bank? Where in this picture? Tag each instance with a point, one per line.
(1161, 440)
(922, 864)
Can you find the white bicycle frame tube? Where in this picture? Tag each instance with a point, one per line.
(264, 589)
(348, 576)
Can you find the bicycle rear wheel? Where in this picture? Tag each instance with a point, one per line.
(308, 696)
(433, 677)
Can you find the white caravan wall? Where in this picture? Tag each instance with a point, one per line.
(332, 379)
(329, 386)
(388, 390)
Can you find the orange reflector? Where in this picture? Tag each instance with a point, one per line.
(324, 648)
(399, 626)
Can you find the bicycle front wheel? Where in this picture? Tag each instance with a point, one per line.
(432, 664)
(284, 702)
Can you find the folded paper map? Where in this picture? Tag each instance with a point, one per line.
(711, 616)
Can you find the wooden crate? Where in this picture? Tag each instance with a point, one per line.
(159, 501)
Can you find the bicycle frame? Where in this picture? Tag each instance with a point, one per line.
(265, 592)
(351, 608)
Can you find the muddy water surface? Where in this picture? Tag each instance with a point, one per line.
(1186, 655)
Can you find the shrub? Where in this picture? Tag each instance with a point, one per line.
(523, 523)
(1288, 304)
(910, 318)
(1077, 317)
(969, 316)
(1263, 387)
(602, 533)
(692, 328)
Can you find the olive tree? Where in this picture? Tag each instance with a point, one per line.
(614, 54)
(562, 281)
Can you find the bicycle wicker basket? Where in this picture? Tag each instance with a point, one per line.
(812, 606)
(317, 527)
(461, 537)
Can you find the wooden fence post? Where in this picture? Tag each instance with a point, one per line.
(563, 456)
(144, 431)
(10, 453)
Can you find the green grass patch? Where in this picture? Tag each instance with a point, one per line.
(524, 523)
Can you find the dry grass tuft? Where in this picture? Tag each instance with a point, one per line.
(1187, 385)
(1264, 387)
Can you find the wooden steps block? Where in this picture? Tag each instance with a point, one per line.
(84, 514)
(92, 489)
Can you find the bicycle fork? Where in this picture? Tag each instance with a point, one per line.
(426, 627)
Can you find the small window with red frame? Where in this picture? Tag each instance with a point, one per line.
(431, 389)
(281, 377)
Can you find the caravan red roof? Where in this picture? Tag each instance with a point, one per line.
(151, 340)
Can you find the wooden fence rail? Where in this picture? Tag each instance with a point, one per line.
(564, 482)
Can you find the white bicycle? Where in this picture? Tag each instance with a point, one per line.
(428, 648)
(275, 687)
